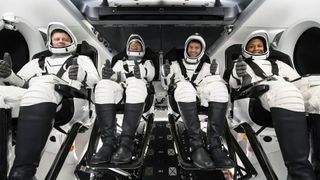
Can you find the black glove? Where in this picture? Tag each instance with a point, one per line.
(241, 67)
(107, 71)
(213, 66)
(166, 68)
(136, 70)
(5, 66)
(172, 79)
(76, 72)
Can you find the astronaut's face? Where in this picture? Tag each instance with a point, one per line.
(135, 46)
(255, 46)
(194, 49)
(60, 39)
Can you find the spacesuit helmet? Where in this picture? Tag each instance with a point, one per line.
(194, 38)
(264, 37)
(55, 27)
(135, 47)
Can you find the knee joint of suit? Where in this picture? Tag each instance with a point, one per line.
(287, 96)
(108, 92)
(185, 92)
(313, 104)
(40, 93)
(136, 91)
(217, 92)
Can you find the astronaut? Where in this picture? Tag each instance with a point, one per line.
(194, 77)
(283, 100)
(40, 101)
(125, 82)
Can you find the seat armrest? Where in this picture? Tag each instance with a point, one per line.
(70, 92)
(250, 91)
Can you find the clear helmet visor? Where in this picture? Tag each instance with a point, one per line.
(60, 31)
(194, 42)
(256, 45)
(135, 46)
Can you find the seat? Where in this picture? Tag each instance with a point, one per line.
(142, 136)
(180, 136)
(63, 116)
(247, 98)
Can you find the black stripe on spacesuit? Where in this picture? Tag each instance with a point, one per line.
(259, 72)
(196, 72)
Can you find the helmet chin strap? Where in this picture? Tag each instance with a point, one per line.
(60, 54)
(191, 61)
(262, 56)
(134, 58)
(63, 50)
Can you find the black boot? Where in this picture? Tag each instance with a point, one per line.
(106, 114)
(131, 119)
(291, 130)
(190, 117)
(315, 133)
(215, 130)
(5, 124)
(34, 126)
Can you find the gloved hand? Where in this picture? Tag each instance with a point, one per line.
(5, 66)
(172, 79)
(241, 67)
(107, 71)
(76, 72)
(213, 67)
(138, 70)
(166, 68)
(1, 24)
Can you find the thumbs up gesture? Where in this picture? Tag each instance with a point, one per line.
(166, 68)
(5, 66)
(107, 71)
(7, 58)
(241, 67)
(76, 72)
(213, 67)
(138, 70)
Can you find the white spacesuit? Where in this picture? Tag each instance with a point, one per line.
(40, 101)
(126, 80)
(283, 100)
(194, 77)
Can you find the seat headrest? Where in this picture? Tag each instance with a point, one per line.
(87, 50)
(44, 53)
(174, 54)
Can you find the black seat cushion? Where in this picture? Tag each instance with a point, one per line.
(258, 114)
